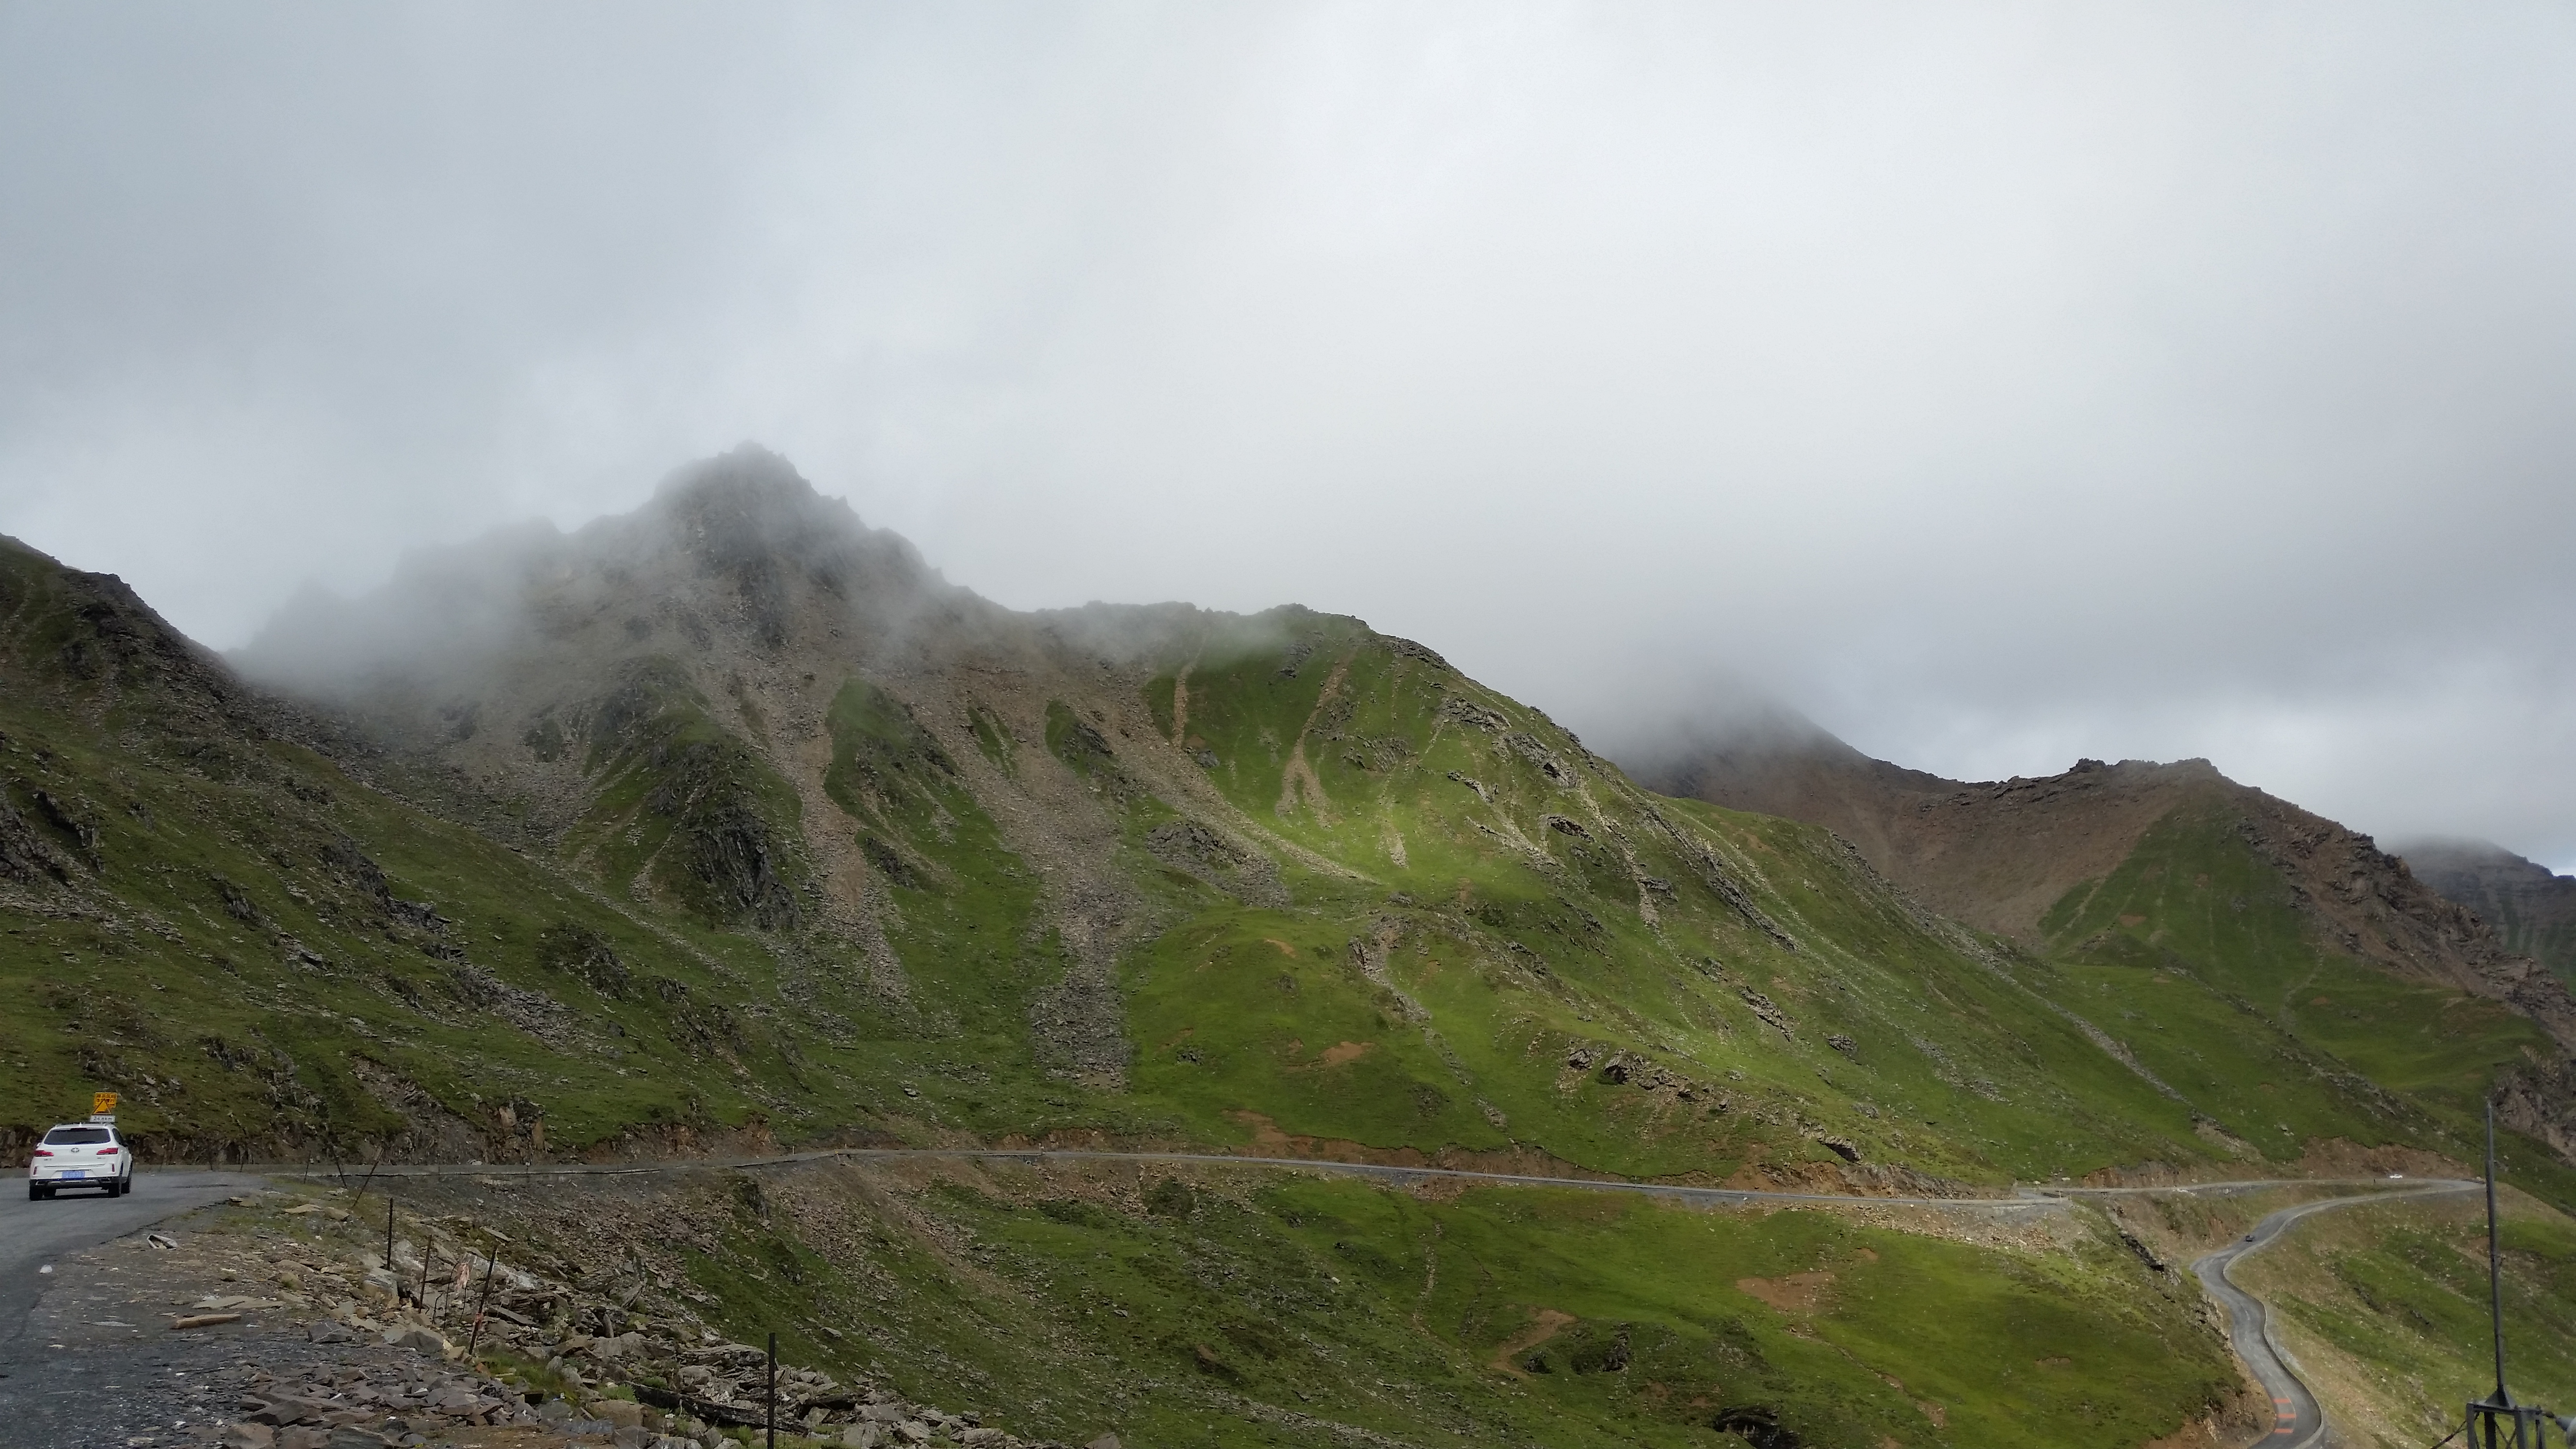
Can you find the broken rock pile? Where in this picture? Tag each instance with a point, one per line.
(569, 1364)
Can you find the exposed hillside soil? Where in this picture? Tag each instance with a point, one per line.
(1996, 856)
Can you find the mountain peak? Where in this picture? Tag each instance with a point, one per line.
(748, 483)
(740, 510)
(92, 636)
(737, 551)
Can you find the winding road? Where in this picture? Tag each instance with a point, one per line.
(2297, 1421)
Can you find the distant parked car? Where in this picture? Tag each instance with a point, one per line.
(81, 1154)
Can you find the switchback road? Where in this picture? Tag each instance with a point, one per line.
(2297, 1421)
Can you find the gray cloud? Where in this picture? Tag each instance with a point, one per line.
(1997, 385)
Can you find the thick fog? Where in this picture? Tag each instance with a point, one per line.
(1995, 385)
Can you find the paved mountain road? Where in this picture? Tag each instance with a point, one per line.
(2022, 1199)
(1385, 1172)
(35, 1235)
(2298, 1422)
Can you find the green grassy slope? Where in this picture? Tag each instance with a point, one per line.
(1224, 1307)
(2196, 947)
(1534, 952)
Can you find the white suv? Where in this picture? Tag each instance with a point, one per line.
(81, 1154)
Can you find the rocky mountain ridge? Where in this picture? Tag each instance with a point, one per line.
(2020, 857)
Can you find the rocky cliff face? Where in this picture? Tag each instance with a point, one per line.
(655, 698)
(2532, 908)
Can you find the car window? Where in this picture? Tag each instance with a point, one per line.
(75, 1136)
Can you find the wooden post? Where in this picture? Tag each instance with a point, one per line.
(773, 1391)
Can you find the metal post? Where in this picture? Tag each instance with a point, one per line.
(2495, 1269)
(390, 1270)
(475, 1334)
(773, 1391)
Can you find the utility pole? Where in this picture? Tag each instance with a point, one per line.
(2495, 1256)
(2495, 1281)
(2530, 1422)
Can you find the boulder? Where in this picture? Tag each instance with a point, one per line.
(288, 1409)
(419, 1338)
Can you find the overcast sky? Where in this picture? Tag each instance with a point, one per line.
(1996, 385)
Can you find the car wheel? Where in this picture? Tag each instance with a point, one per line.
(35, 1193)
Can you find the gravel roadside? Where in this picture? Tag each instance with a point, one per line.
(276, 1321)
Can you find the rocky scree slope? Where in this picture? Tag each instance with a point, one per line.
(2307, 926)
